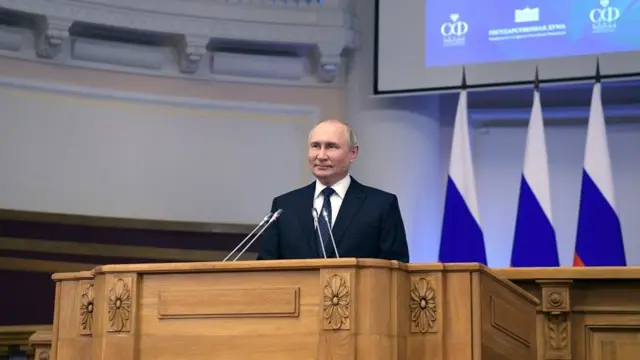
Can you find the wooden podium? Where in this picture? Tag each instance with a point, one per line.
(293, 309)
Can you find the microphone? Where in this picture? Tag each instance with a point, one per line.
(333, 241)
(275, 216)
(316, 226)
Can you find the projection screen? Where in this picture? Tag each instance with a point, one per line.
(423, 45)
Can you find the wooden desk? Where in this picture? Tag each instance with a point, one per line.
(18, 338)
(584, 313)
(297, 309)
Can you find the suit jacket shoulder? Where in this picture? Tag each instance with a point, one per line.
(295, 194)
(376, 194)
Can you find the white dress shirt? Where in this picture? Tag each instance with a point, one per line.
(340, 189)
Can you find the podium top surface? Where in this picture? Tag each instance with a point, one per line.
(266, 265)
(569, 273)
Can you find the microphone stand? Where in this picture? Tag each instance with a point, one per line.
(273, 218)
(314, 212)
(333, 241)
(266, 218)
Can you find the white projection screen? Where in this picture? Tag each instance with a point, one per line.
(423, 45)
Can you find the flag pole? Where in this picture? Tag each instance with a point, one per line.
(463, 86)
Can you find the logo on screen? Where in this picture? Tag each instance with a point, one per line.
(527, 15)
(603, 19)
(453, 32)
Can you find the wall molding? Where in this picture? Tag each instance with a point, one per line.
(188, 38)
(125, 223)
(94, 249)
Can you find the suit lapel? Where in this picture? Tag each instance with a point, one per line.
(306, 219)
(351, 204)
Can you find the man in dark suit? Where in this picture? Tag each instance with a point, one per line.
(365, 222)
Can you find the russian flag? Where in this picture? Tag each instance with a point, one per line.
(599, 238)
(534, 243)
(462, 239)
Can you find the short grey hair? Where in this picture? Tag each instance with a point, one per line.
(351, 134)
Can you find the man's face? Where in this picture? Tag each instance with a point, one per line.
(329, 152)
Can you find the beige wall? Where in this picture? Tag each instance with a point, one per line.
(125, 154)
(330, 100)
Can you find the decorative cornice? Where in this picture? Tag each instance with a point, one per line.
(321, 34)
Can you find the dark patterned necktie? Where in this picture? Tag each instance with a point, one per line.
(325, 227)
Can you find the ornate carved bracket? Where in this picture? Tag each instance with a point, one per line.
(193, 50)
(51, 35)
(556, 307)
(329, 62)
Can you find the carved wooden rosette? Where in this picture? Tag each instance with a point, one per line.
(425, 303)
(86, 307)
(120, 293)
(556, 308)
(336, 301)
